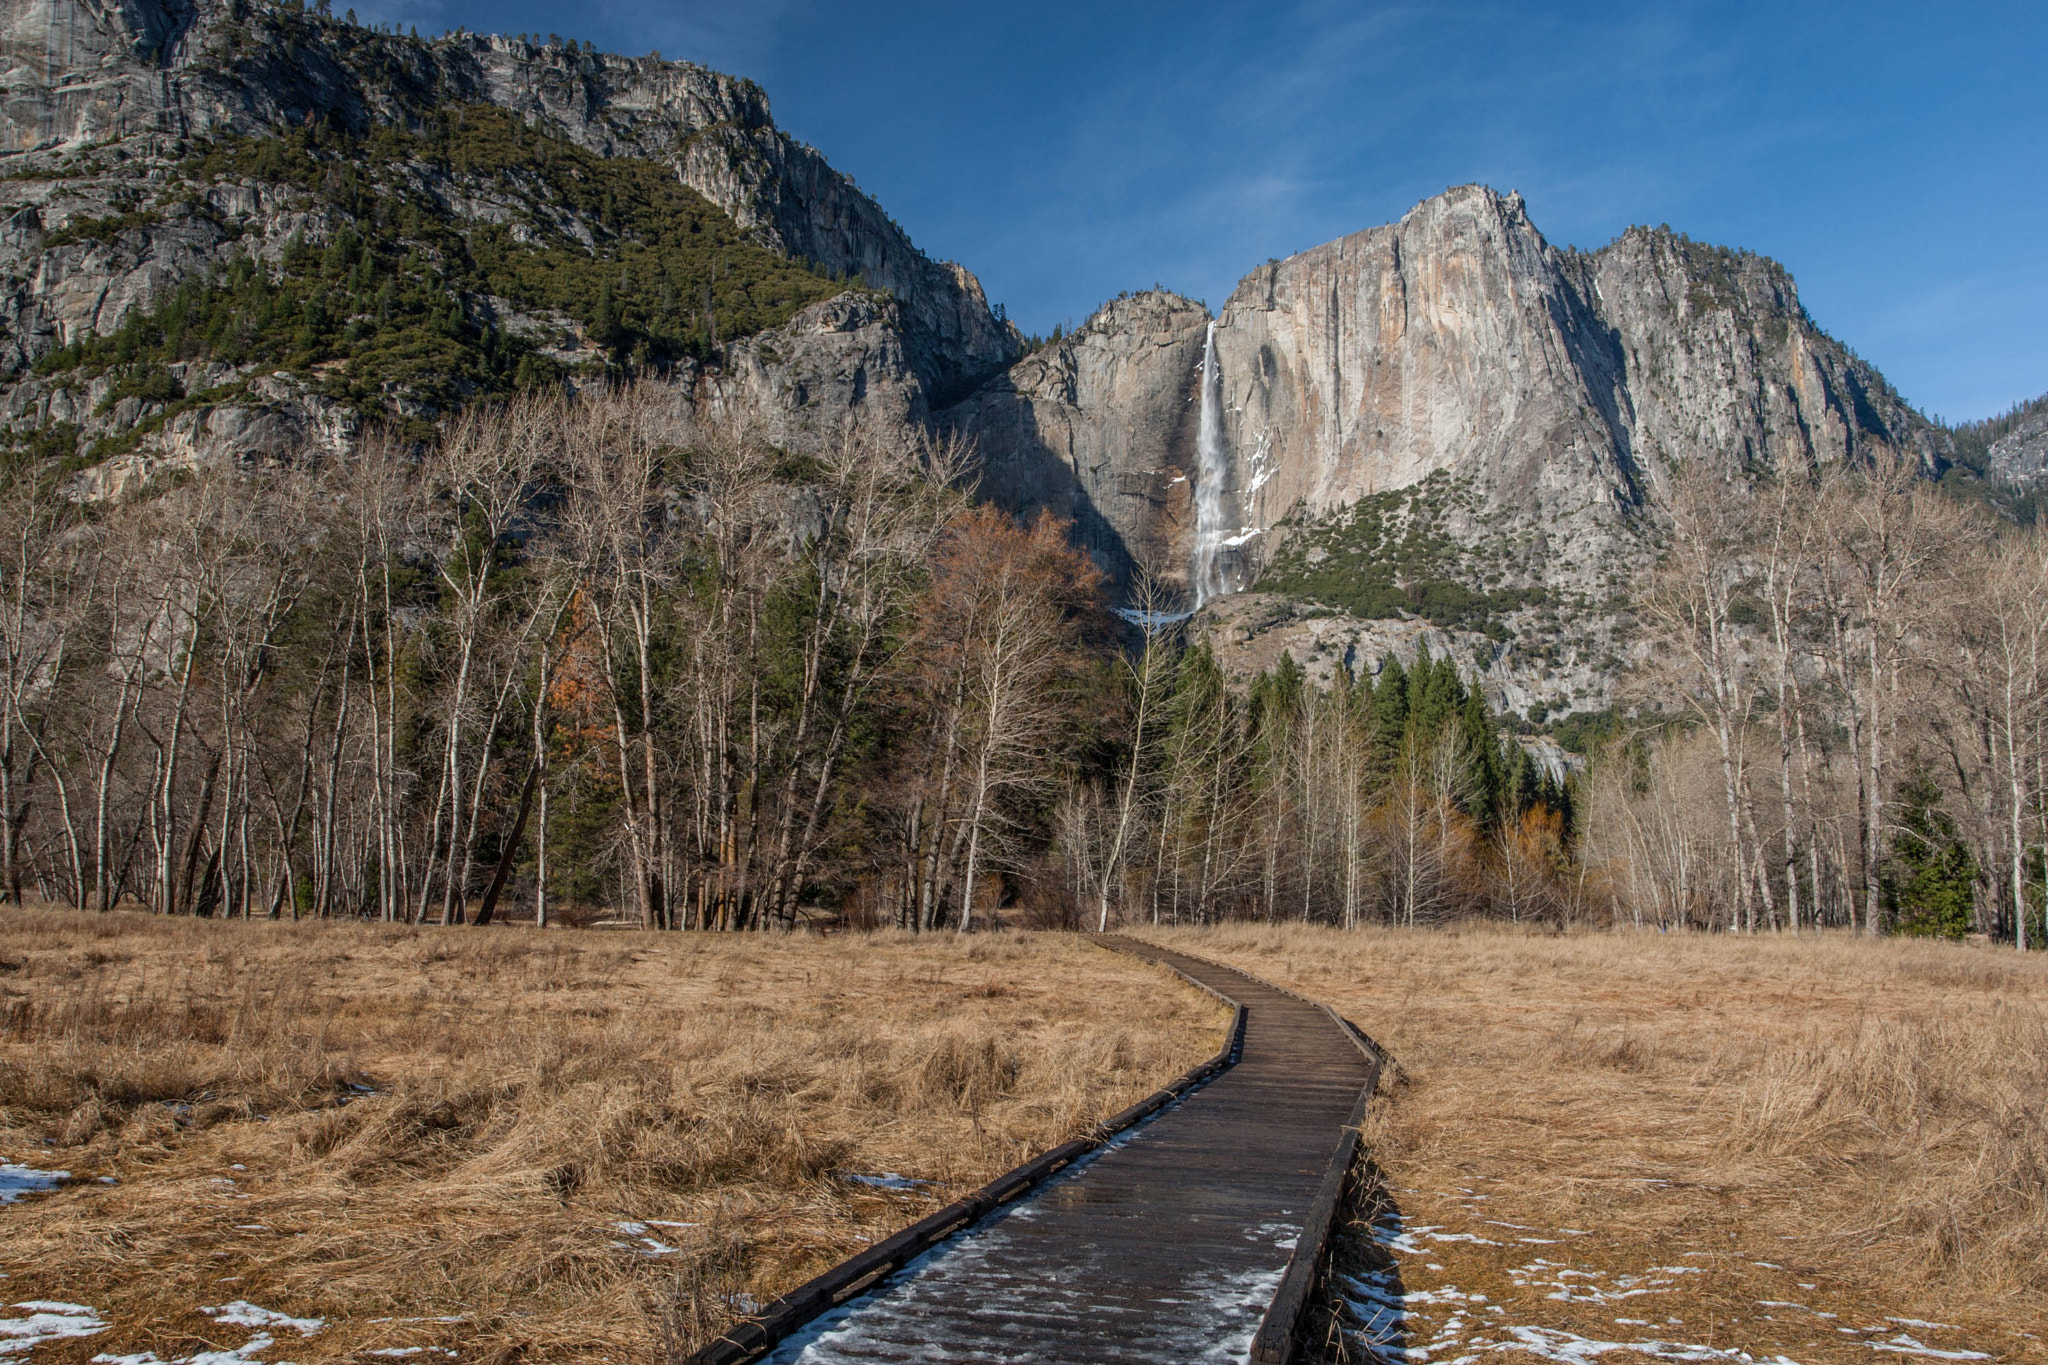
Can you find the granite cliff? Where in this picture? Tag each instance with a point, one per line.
(1445, 419)
(2020, 455)
(148, 146)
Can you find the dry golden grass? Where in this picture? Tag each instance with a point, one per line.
(1809, 1127)
(429, 1137)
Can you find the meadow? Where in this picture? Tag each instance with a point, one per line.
(518, 1145)
(1826, 1149)
(584, 1145)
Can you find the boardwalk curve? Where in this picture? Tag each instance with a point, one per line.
(1168, 1243)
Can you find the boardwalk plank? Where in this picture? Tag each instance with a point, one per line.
(1166, 1245)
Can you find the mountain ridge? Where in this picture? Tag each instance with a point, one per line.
(1444, 419)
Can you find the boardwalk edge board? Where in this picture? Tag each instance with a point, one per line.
(1274, 1342)
(756, 1336)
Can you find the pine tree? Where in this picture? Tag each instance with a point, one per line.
(1486, 775)
(1929, 884)
(1389, 715)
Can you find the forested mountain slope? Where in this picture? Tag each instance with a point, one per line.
(234, 230)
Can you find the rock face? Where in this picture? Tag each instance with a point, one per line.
(793, 201)
(1509, 407)
(835, 362)
(1450, 341)
(150, 74)
(2021, 455)
(1099, 430)
(1721, 363)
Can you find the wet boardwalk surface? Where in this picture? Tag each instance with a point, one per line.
(1165, 1245)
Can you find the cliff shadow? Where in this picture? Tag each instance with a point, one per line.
(1021, 472)
(1598, 357)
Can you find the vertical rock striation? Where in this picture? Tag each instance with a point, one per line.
(1456, 343)
(1470, 423)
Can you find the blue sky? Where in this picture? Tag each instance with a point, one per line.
(1894, 156)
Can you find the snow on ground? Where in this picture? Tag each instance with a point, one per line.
(886, 1180)
(1446, 1325)
(1906, 1346)
(242, 1313)
(26, 1325)
(649, 1245)
(17, 1180)
(29, 1324)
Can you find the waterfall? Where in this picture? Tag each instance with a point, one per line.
(1206, 575)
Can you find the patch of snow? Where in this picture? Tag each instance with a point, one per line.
(247, 1351)
(652, 1246)
(1450, 1293)
(887, 1180)
(1907, 1346)
(16, 1181)
(46, 1320)
(1279, 1234)
(1922, 1322)
(1569, 1348)
(242, 1313)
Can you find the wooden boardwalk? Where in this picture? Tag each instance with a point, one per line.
(1165, 1245)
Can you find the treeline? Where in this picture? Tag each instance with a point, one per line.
(582, 659)
(573, 637)
(1844, 714)
(1394, 800)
